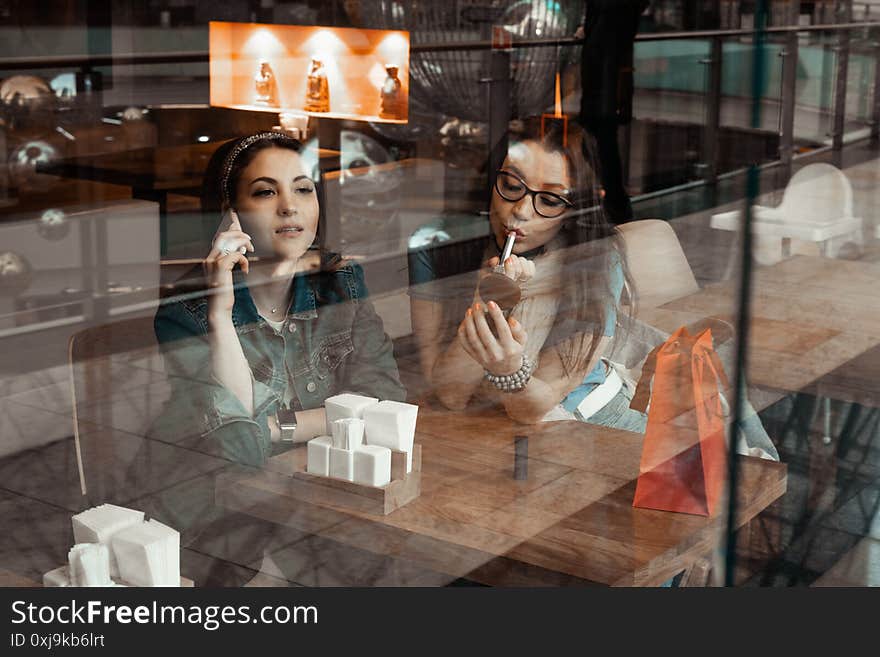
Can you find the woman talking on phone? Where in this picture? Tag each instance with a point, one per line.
(280, 326)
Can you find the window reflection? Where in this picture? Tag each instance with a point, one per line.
(193, 374)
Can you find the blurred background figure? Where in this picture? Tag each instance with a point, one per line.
(609, 30)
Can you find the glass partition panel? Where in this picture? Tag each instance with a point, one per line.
(372, 294)
(669, 109)
(860, 81)
(740, 143)
(815, 89)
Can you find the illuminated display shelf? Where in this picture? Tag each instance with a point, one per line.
(326, 115)
(361, 74)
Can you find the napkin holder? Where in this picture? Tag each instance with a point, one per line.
(286, 478)
(61, 577)
(379, 500)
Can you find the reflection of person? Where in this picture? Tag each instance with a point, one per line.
(318, 89)
(569, 262)
(609, 31)
(282, 339)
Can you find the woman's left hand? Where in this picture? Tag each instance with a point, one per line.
(499, 356)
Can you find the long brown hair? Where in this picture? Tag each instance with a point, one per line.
(594, 246)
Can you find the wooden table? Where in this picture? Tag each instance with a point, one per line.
(857, 381)
(809, 316)
(571, 521)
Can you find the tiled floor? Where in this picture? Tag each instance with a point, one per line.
(831, 504)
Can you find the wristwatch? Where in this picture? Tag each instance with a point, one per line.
(287, 424)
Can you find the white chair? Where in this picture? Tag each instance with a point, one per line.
(657, 264)
(817, 208)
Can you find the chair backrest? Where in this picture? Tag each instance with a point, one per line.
(657, 263)
(98, 357)
(818, 193)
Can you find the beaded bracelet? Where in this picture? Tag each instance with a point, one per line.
(513, 382)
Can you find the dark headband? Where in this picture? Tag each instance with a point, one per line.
(240, 148)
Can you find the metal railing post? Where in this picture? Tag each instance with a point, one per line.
(499, 110)
(713, 111)
(789, 93)
(875, 109)
(841, 77)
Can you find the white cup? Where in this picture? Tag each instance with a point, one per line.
(295, 123)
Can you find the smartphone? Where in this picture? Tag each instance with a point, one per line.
(226, 223)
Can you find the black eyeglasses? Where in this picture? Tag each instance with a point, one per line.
(547, 204)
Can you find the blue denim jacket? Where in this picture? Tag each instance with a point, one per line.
(332, 341)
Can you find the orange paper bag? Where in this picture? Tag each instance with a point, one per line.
(684, 455)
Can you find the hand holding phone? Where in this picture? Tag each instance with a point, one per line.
(228, 249)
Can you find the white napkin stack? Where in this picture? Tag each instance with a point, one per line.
(148, 554)
(319, 456)
(372, 465)
(89, 565)
(113, 542)
(393, 425)
(362, 433)
(348, 433)
(345, 406)
(100, 523)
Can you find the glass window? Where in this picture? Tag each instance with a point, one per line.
(430, 293)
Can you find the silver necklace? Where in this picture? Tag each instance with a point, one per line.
(273, 309)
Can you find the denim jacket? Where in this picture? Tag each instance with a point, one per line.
(332, 341)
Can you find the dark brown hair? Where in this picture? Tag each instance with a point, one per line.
(587, 296)
(219, 174)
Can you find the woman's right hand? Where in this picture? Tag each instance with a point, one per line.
(227, 250)
(521, 270)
